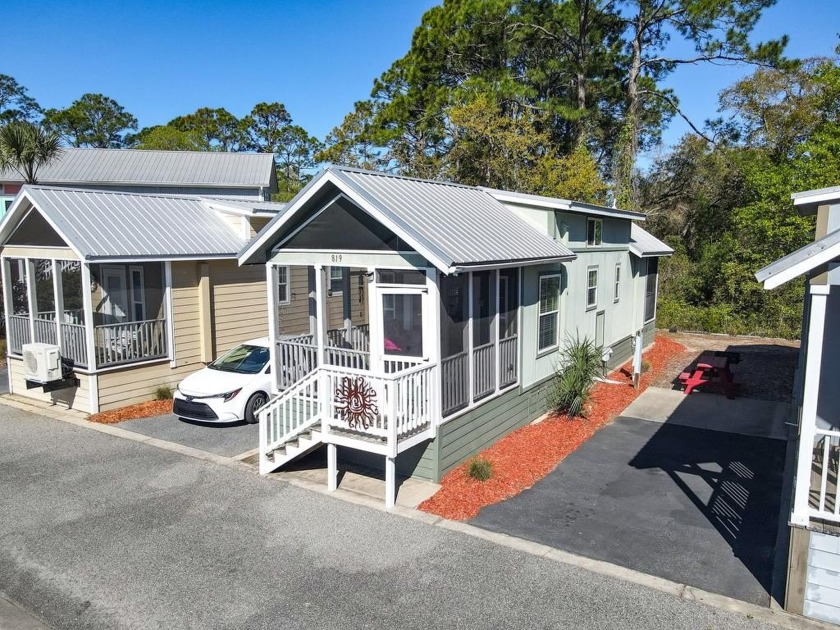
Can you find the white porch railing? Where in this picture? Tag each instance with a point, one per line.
(359, 337)
(296, 357)
(508, 361)
(394, 364)
(455, 384)
(290, 414)
(484, 370)
(74, 343)
(19, 333)
(388, 408)
(823, 499)
(45, 331)
(347, 358)
(130, 342)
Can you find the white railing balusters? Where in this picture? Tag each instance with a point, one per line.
(130, 342)
(825, 497)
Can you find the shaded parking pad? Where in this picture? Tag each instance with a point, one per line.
(227, 439)
(691, 505)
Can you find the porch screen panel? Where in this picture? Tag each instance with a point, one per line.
(74, 340)
(455, 390)
(484, 346)
(45, 315)
(402, 318)
(19, 332)
(508, 331)
(650, 288)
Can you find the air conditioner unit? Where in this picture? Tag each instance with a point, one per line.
(41, 362)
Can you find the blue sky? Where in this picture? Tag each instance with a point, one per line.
(161, 59)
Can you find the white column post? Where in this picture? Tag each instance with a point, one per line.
(497, 367)
(390, 482)
(30, 295)
(375, 324)
(170, 315)
(8, 306)
(332, 467)
(271, 284)
(810, 398)
(320, 314)
(87, 301)
(59, 304)
(434, 351)
(470, 340)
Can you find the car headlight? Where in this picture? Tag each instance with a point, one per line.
(231, 395)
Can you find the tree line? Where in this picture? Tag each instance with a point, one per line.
(99, 121)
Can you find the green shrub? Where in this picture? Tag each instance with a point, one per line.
(480, 469)
(163, 392)
(645, 366)
(580, 363)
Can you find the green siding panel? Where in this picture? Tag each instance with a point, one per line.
(648, 333)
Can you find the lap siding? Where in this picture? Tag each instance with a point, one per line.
(77, 398)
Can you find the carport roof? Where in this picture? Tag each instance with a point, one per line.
(645, 245)
(802, 261)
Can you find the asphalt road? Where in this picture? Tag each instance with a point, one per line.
(100, 532)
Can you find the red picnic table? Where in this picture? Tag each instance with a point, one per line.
(710, 368)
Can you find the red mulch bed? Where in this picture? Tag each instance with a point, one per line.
(528, 454)
(132, 412)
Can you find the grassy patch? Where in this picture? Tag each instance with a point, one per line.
(163, 392)
(480, 469)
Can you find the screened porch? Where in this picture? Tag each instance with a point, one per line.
(99, 315)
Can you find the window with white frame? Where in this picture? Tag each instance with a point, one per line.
(591, 287)
(337, 280)
(549, 312)
(594, 231)
(283, 293)
(138, 294)
(617, 284)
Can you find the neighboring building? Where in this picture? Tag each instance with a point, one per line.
(813, 580)
(433, 314)
(216, 173)
(136, 290)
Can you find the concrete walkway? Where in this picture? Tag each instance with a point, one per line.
(105, 532)
(693, 505)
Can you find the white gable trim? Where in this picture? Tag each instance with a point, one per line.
(329, 176)
(802, 267)
(19, 211)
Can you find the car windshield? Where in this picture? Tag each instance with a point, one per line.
(242, 359)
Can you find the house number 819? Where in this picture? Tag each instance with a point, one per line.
(336, 258)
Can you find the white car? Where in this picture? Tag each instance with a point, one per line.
(231, 388)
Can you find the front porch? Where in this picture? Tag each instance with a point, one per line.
(99, 315)
(376, 358)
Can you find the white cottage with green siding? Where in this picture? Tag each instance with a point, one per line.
(414, 323)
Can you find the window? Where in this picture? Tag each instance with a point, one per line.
(594, 231)
(591, 287)
(138, 294)
(617, 288)
(650, 288)
(283, 285)
(401, 276)
(549, 314)
(337, 280)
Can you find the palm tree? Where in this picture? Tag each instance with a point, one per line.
(25, 147)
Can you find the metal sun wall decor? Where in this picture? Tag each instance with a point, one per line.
(356, 402)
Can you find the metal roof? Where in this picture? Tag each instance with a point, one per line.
(802, 261)
(155, 168)
(807, 201)
(106, 225)
(452, 225)
(556, 203)
(255, 207)
(645, 245)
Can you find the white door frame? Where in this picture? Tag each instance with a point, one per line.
(111, 271)
(376, 306)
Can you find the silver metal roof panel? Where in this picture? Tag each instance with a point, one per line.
(106, 225)
(155, 168)
(645, 245)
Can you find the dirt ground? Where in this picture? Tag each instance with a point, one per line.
(766, 369)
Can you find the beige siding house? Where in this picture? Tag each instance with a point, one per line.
(136, 290)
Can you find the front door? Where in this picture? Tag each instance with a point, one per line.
(114, 294)
(402, 313)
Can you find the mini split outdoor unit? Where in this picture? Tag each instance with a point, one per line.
(41, 362)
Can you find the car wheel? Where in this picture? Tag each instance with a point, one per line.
(253, 406)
